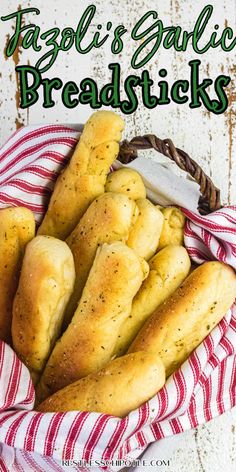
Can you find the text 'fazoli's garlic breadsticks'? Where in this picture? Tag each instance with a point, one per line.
(17, 228)
(121, 386)
(85, 176)
(181, 323)
(46, 283)
(88, 343)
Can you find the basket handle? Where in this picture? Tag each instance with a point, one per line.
(210, 195)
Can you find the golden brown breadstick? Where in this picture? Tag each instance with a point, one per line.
(109, 218)
(46, 283)
(17, 228)
(85, 176)
(173, 227)
(181, 323)
(88, 343)
(145, 234)
(168, 269)
(120, 387)
(127, 181)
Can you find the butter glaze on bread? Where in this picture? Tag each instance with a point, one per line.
(181, 323)
(109, 218)
(145, 234)
(17, 228)
(173, 227)
(121, 386)
(168, 269)
(127, 181)
(88, 343)
(85, 176)
(46, 283)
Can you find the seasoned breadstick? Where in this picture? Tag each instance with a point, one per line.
(46, 283)
(181, 323)
(85, 176)
(17, 228)
(88, 343)
(168, 269)
(173, 227)
(120, 387)
(127, 181)
(145, 234)
(109, 218)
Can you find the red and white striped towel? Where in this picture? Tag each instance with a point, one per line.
(203, 388)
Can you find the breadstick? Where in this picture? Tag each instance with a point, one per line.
(46, 283)
(17, 228)
(168, 269)
(145, 234)
(181, 323)
(120, 387)
(109, 218)
(173, 227)
(127, 181)
(85, 176)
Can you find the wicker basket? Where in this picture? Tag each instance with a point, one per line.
(210, 195)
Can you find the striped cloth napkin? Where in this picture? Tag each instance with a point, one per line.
(204, 387)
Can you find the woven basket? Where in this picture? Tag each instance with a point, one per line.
(209, 200)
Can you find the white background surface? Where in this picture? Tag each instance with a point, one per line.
(208, 138)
